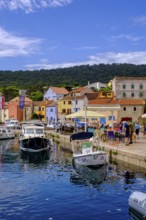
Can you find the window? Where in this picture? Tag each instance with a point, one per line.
(51, 110)
(141, 86)
(132, 94)
(134, 109)
(124, 108)
(43, 109)
(69, 102)
(76, 102)
(64, 102)
(111, 118)
(124, 86)
(141, 94)
(124, 94)
(132, 86)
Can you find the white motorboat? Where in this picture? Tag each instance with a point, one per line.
(85, 153)
(137, 201)
(33, 139)
(6, 133)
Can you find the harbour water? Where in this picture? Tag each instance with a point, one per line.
(50, 189)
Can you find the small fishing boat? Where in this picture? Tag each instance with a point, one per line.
(6, 133)
(85, 152)
(137, 202)
(33, 139)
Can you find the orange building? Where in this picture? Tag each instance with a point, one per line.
(14, 109)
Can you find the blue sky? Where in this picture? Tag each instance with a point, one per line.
(48, 34)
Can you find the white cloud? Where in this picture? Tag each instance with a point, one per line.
(31, 5)
(137, 58)
(87, 48)
(12, 45)
(140, 20)
(126, 37)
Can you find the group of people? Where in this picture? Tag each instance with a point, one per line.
(131, 131)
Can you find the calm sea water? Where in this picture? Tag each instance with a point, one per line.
(51, 190)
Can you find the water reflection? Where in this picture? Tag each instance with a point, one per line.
(35, 157)
(84, 173)
(7, 153)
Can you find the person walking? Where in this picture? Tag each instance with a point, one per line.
(127, 132)
(131, 131)
(137, 129)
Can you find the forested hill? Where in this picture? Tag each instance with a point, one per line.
(70, 76)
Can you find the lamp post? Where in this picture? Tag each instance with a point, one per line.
(85, 108)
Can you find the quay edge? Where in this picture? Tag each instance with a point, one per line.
(133, 156)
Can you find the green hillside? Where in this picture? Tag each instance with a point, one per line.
(69, 76)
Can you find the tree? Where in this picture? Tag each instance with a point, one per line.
(36, 96)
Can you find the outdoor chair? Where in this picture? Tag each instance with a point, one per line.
(111, 135)
(120, 136)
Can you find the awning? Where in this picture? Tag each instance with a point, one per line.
(143, 116)
(87, 114)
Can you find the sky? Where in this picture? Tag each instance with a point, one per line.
(49, 34)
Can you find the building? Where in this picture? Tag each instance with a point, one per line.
(129, 87)
(52, 112)
(20, 113)
(108, 107)
(133, 108)
(97, 85)
(39, 108)
(55, 93)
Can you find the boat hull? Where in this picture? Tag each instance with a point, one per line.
(34, 144)
(137, 201)
(95, 159)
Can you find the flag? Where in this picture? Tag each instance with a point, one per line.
(2, 102)
(21, 101)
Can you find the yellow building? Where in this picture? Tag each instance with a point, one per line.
(40, 108)
(64, 106)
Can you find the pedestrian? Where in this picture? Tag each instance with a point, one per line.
(127, 133)
(137, 129)
(131, 131)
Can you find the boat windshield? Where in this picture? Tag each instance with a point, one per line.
(29, 131)
(33, 131)
(39, 131)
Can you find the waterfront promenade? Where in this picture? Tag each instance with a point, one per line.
(134, 154)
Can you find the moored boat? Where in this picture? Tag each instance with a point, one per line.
(33, 139)
(137, 202)
(6, 133)
(85, 153)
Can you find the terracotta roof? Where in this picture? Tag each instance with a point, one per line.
(132, 102)
(66, 98)
(17, 99)
(103, 101)
(42, 103)
(53, 103)
(91, 96)
(78, 90)
(59, 90)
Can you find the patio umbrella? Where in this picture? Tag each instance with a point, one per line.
(83, 114)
